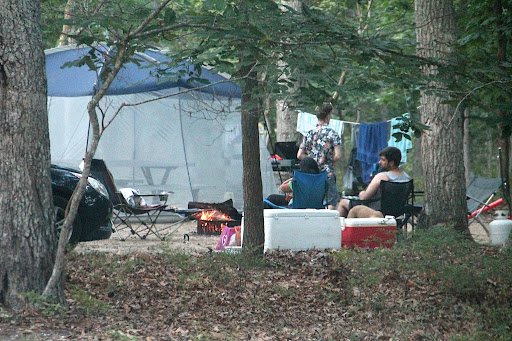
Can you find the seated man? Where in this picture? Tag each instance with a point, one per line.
(389, 162)
(306, 165)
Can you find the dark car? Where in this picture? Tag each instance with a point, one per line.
(93, 220)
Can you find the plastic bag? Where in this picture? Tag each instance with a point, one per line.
(230, 236)
(225, 237)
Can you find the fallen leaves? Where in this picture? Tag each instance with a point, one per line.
(292, 296)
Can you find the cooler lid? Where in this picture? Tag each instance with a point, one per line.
(386, 221)
(303, 213)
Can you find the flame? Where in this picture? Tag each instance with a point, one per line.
(214, 215)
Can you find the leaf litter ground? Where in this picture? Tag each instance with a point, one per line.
(160, 291)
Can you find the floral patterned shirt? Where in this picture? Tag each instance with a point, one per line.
(319, 144)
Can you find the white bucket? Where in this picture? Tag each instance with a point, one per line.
(499, 229)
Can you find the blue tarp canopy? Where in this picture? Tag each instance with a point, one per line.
(171, 134)
(152, 73)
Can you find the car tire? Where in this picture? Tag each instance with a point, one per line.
(60, 204)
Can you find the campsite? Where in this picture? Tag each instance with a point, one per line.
(255, 170)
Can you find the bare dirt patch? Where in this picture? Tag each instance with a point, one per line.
(179, 237)
(183, 237)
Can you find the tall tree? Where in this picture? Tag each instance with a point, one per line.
(123, 47)
(66, 29)
(504, 112)
(441, 148)
(253, 189)
(286, 114)
(28, 239)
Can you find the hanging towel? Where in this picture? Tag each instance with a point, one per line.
(404, 145)
(307, 122)
(373, 137)
(337, 125)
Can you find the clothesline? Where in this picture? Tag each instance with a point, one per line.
(307, 121)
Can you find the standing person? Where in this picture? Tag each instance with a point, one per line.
(389, 162)
(324, 145)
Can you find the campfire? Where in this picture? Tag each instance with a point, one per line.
(213, 221)
(213, 217)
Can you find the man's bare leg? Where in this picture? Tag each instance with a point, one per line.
(343, 207)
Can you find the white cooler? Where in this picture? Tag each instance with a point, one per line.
(301, 229)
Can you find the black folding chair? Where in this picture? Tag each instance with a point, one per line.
(139, 220)
(396, 200)
(393, 199)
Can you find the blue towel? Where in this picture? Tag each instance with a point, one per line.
(373, 137)
(404, 145)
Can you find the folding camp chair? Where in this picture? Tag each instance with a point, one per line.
(480, 193)
(394, 199)
(140, 220)
(309, 191)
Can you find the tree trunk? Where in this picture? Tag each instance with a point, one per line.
(286, 116)
(253, 188)
(28, 238)
(505, 116)
(66, 29)
(442, 149)
(286, 122)
(108, 74)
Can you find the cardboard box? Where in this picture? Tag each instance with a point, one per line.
(369, 232)
(301, 229)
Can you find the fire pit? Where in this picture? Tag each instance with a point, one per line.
(211, 222)
(214, 216)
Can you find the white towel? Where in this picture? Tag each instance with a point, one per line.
(307, 122)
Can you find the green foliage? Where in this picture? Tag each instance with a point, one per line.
(300, 55)
(131, 264)
(407, 125)
(118, 335)
(318, 42)
(88, 304)
(52, 19)
(45, 304)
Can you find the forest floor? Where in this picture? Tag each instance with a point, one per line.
(177, 289)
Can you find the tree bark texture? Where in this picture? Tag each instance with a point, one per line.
(27, 235)
(253, 189)
(442, 145)
(286, 115)
(286, 122)
(505, 116)
(66, 29)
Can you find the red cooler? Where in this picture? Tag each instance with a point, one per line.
(369, 232)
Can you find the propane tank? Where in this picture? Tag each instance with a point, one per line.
(499, 228)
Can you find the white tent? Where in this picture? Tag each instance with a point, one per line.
(188, 142)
